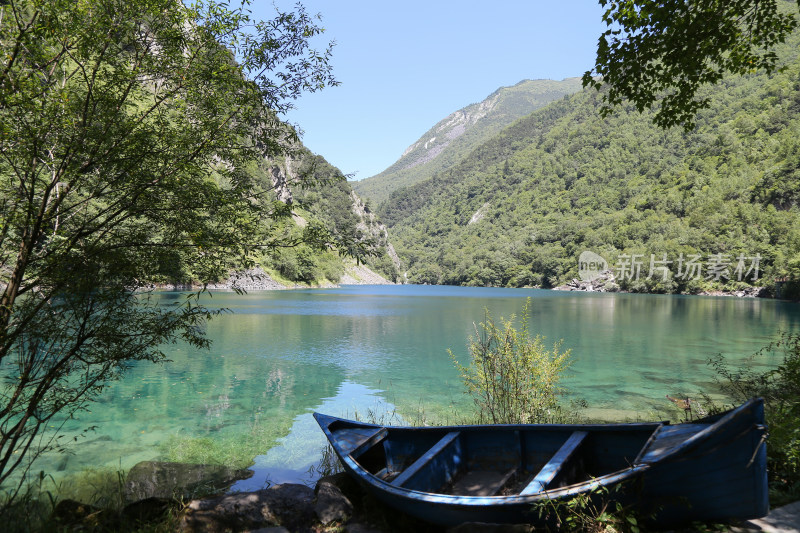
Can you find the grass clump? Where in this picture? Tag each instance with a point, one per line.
(93, 500)
(513, 378)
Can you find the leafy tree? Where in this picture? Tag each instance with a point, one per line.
(513, 379)
(658, 54)
(126, 129)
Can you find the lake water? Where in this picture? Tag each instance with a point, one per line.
(280, 355)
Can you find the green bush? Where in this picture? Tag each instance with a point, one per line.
(513, 378)
(297, 263)
(780, 388)
(330, 267)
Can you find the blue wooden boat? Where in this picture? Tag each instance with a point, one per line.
(712, 469)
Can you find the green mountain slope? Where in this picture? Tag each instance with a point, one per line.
(454, 137)
(320, 231)
(332, 203)
(320, 197)
(522, 207)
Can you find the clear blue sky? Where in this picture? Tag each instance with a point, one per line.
(405, 65)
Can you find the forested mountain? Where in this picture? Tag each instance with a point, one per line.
(319, 194)
(454, 137)
(321, 203)
(521, 208)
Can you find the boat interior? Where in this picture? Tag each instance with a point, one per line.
(471, 461)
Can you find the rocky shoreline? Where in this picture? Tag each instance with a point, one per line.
(256, 279)
(606, 282)
(336, 504)
(156, 494)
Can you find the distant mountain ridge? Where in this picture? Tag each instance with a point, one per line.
(520, 208)
(452, 138)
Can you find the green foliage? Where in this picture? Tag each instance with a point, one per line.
(330, 195)
(329, 266)
(658, 54)
(94, 501)
(513, 379)
(303, 264)
(780, 388)
(384, 264)
(322, 198)
(564, 180)
(128, 140)
(595, 511)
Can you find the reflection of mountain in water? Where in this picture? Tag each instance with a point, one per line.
(291, 459)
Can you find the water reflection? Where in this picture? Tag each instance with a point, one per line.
(291, 461)
(281, 354)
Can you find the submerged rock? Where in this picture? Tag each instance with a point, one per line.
(155, 479)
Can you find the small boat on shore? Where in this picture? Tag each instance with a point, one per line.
(712, 469)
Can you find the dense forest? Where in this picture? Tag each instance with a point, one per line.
(520, 208)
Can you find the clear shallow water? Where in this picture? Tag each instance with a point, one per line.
(283, 354)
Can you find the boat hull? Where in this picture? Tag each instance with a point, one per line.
(721, 477)
(711, 470)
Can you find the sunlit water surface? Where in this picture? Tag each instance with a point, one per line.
(280, 355)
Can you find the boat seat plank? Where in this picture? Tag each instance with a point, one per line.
(361, 442)
(667, 438)
(426, 458)
(555, 464)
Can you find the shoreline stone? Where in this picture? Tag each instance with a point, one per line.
(337, 503)
(289, 505)
(606, 282)
(331, 505)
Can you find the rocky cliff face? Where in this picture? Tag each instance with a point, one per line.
(445, 132)
(329, 200)
(370, 225)
(280, 182)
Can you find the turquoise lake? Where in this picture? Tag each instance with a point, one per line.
(280, 355)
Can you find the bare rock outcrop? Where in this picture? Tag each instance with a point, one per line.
(604, 282)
